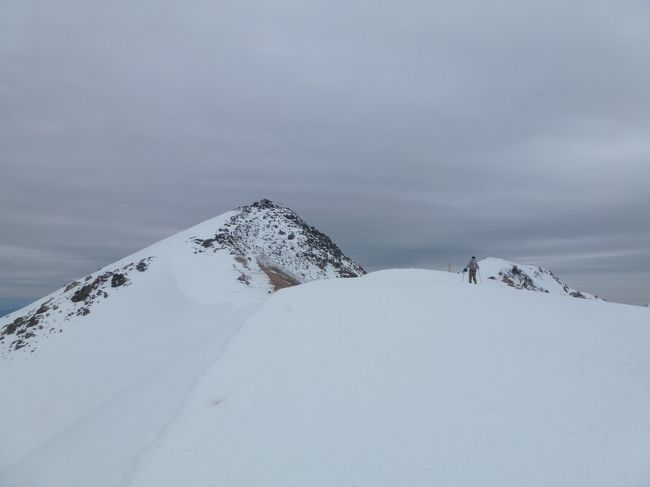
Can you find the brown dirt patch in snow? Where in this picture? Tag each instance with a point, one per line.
(279, 279)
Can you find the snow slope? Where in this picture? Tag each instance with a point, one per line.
(125, 339)
(397, 378)
(407, 378)
(529, 277)
(108, 359)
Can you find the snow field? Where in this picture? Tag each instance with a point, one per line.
(409, 378)
(107, 358)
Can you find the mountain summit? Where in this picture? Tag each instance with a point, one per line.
(263, 246)
(269, 240)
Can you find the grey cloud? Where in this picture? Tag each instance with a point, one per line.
(414, 134)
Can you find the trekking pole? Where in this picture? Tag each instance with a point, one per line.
(480, 278)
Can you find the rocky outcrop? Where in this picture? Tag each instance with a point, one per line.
(75, 299)
(265, 236)
(528, 277)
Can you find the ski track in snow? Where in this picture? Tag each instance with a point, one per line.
(73, 441)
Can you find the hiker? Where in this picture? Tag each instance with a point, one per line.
(472, 267)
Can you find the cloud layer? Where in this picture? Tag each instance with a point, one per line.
(415, 135)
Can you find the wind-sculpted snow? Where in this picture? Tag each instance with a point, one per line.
(528, 277)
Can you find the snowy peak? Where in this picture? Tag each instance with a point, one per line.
(529, 277)
(272, 243)
(262, 247)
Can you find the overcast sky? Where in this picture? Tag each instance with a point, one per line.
(415, 134)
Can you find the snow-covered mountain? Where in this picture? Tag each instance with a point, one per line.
(529, 277)
(192, 371)
(267, 246)
(115, 334)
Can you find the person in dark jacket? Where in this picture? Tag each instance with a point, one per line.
(472, 267)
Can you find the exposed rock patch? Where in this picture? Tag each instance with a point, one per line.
(118, 280)
(278, 278)
(529, 277)
(73, 300)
